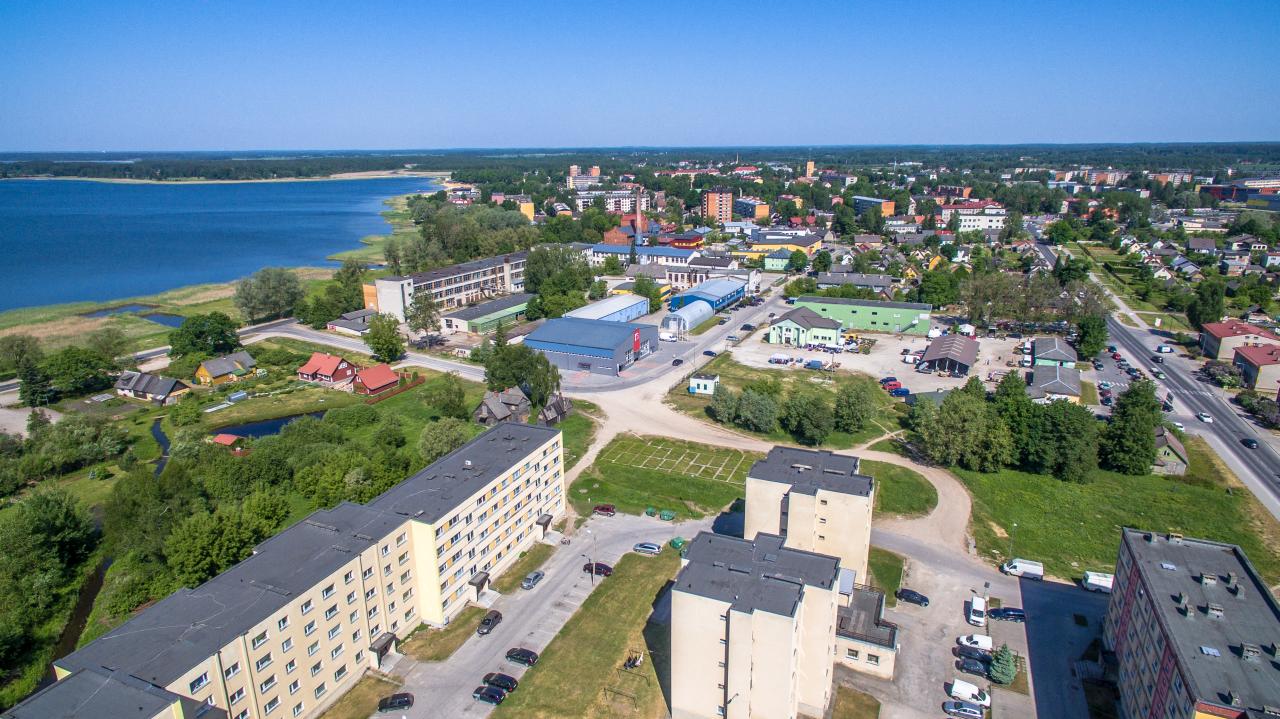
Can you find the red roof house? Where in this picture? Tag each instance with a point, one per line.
(1260, 366)
(1219, 340)
(376, 379)
(226, 440)
(326, 369)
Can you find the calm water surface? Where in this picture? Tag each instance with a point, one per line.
(67, 241)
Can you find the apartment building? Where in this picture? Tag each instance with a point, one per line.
(1220, 340)
(862, 203)
(1193, 627)
(752, 208)
(286, 631)
(618, 202)
(816, 501)
(450, 287)
(717, 204)
(752, 629)
(578, 180)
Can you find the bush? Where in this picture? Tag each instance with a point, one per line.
(352, 416)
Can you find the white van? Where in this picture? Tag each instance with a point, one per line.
(1018, 567)
(1098, 582)
(977, 641)
(977, 611)
(964, 691)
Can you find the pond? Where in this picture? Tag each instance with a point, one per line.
(263, 428)
(164, 318)
(119, 310)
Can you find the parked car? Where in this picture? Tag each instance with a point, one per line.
(1204, 417)
(677, 362)
(891, 386)
(489, 695)
(747, 328)
(531, 579)
(965, 652)
(1116, 356)
(491, 620)
(648, 548)
(1250, 442)
(403, 700)
(1104, 385)
(709, 353)
(1164, 349)
(899, 392)
(1098, 582)
(1159, 375)
(977, 614)
(502, 681)
(886, 380)
(1097, 366)
(972, 666)
(960, 689)
(600, 569)
(977, 641)
(1107, 401)
(963, 709)
(523, 657)
(604, 510)
(1178, 425)
(1027, 568)
(1157, 359)
(911, 596)
(1008, 614)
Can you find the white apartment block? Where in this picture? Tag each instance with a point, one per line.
(288, 630)
(452, 286)
(619, 202)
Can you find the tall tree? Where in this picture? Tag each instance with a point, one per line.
(74, 371)
(798, 261)
(111, 342)
(1129, 442)
(822, 261)
(724, 404)
(211, 334)
(448, 396)
(391, 254)
(1093, 335)
(442, 437)
(756, 411)
(1018, 412)
(855, 406)
(17, 350)
(1209, 304)
(384, 339)
(35, 389)
(423, 314)
(809, 417)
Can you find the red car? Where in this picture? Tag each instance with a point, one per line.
(891, 386)
(605, 510)
(1116, 356)
(600, 569)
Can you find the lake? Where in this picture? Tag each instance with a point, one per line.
(69, 240)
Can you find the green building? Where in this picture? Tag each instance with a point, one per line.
(871, 315)
(777, 261)
(1053, 352)
(486, 316)
(803, 326)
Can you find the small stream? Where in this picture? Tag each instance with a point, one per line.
(157, 433)
(79, 618)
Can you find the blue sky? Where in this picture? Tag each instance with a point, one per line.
(99, 75)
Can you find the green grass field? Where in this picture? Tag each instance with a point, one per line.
(850, 703)
(735, 376)
(585, 658)
(886, 573)
(635, 473)
(535, 557)
(361, 700)
(900, 490)
(1088, 393)
(706, 326)
(436, 645)
(1076, 527)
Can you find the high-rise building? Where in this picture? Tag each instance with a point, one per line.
(1194, 630)
(717, 204)
(808, 168)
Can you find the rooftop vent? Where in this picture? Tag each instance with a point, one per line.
(802, 467)
(1214, 610)
(1231, 579)
(1250, 652)
(1208, 579)
(1175, 538)
(466, 464)
(1209, 651)
(1232, 698)
(365, 537)
(770, 557)
(1169, 567)
(1271, 711)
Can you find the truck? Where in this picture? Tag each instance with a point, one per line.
(779, 358)
(1018, 567)
(666, 337)
(813, 364)
(1098, 582)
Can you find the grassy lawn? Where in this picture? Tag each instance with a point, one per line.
(306, 348)
(852, 704)
(436, 645)
(1075, 527)
(889, 444)
(901, 490)
(1088, 392)
(361, 701)
(634, 473)
(1168, 321)
(735, 376)
(578, 430)
(706, 326)
(535, 557)
(586, 657)
(886, 573)
(305, 399)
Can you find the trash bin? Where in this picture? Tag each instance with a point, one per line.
(667, 515)
(678, 542)
(650, 511)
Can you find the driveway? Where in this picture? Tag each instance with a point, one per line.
(529, 619)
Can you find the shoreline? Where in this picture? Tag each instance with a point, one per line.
(370, 175)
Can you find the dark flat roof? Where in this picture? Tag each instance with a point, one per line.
(862, 618)
(954, 347)
(1172, 566)
(490, 307)
(754, 575)
(102, 694)
(808, 470)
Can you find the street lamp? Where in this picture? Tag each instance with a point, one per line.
(1012, 533)
(592, 566)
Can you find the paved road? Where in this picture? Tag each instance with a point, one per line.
(1258, 468)
(530, 619)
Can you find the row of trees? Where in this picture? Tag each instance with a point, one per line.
(1063, 439)
(809, 416)
(72, 371)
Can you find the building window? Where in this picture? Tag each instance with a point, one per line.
(282, 623)
(334, 630)
(342, 672)
(267, 683)
(286, 645)
(259, 640)
(873, 659)
(236, 696)
(198, 683)
(348, 577)
(263, 662)
(288, 668)
(310, 628)
(351, 597)
(244, 714)
(272, 705)
(294, 686)
(315, 668)
(851, 653)
(326, 592)
(320, 690)
(307, 606)
(297, 709)
(311, 650)
(331, 612)
(231, 671)
(336, 652)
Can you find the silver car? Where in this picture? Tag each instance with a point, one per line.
(965, 710)
(648, 548)
(531, 581)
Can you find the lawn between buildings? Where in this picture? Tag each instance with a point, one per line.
(1072, 528)
(637, 473)
(885, 568)
(735, 376)
(850, 703)
(361, 700)
(900, 491)
(580, 673)
(436, 645)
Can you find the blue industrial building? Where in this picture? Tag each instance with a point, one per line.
(599, 346)
(619, 308)
(719, 293)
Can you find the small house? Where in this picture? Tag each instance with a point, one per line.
(326, 369)
(230, 368)
(802, 327)
(1053, 351)
(352, 323)
(509, 405)
(1050, 383)
(558, 407)
(150, 387)
(375, 380)
(703, 384)
(777, 261)
(1171, 456)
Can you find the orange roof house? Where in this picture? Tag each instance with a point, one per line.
(376, 379)
(326, 369)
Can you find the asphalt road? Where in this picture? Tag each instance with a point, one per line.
(1258, 468)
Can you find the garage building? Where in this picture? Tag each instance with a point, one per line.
(486, 316)
(872, 315)
(718, 293)
(953, 353)
(620, 308)
(584, 345)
